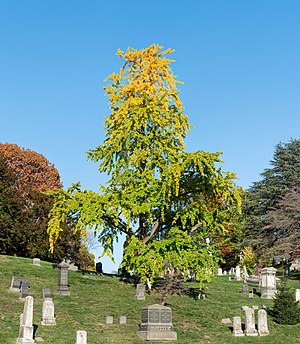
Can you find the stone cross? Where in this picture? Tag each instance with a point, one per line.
(268, 282)
(26, 327)
(250, 329)
(81, 337)
(156, 324)
(63, 288)
(24, 289)
(48, 318)
(297, 295)
(140, 292)
(262, 323)
(36, 261)
(237, 327)
(15, 284)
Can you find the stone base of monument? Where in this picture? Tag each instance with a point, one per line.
(268, 293)
(158, 335)
(62, 291)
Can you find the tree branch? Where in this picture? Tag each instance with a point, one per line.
(153, 230)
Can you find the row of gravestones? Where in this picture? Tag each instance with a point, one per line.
(26, 325)
(250, 329)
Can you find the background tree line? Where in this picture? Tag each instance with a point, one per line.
(24, 208)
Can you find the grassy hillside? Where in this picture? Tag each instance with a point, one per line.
(195, 321)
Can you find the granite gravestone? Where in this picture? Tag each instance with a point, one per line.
(156, 324)
(63, 287)
(15, 284)
(24, 289)
(46, 294)
(140, 292)
(99, 268)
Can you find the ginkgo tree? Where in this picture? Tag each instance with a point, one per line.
(157, 192)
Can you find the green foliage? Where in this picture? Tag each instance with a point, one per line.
(248, 258)
(155, 185)
(271, 225)
(285, 310)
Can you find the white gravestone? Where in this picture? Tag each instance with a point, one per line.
(268, 282)
(250, 329)
(26, 327)
(237, 327)
(81, 337)
(220, 273)
(262, 323)
(36, 261)
(297, 295)
(109, 320)
(238, 273)
(48, 318)
(122, 320)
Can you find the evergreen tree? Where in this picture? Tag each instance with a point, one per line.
(286, 310)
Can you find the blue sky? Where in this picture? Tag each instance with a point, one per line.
(239, 61)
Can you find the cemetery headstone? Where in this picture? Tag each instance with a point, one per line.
(63, 287)
(224, 272)
(15, 284)
(250, 329)
(48, 318)
(24, 289)
(140, 292)
(156, 324)
(26, 327)
(238, 273)
(237, 327)
(268, 282)
(109, 320)
(36, 261)
(81, 337)
(262, 323)
(99, 268)
(220, 273)
(46, 293)
(297, 294)
(122, 320)
(245, 289)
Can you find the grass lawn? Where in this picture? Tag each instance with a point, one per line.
(92, 299)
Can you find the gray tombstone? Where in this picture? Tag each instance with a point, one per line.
(122, 320)
(245, 289)
(156, 324)
(262, 323)
(63, 287)
(46, 293)
(250, 329)
(237, 327)
(36, 261)
(48, 318)
(81, 337)
(140, 292)
(15, 284)
(26, 327)
(24, 289)
(109, 320)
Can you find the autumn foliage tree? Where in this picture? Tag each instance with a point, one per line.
(24, 209)
(158, 194)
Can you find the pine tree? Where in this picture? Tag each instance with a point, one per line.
(286, 309)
